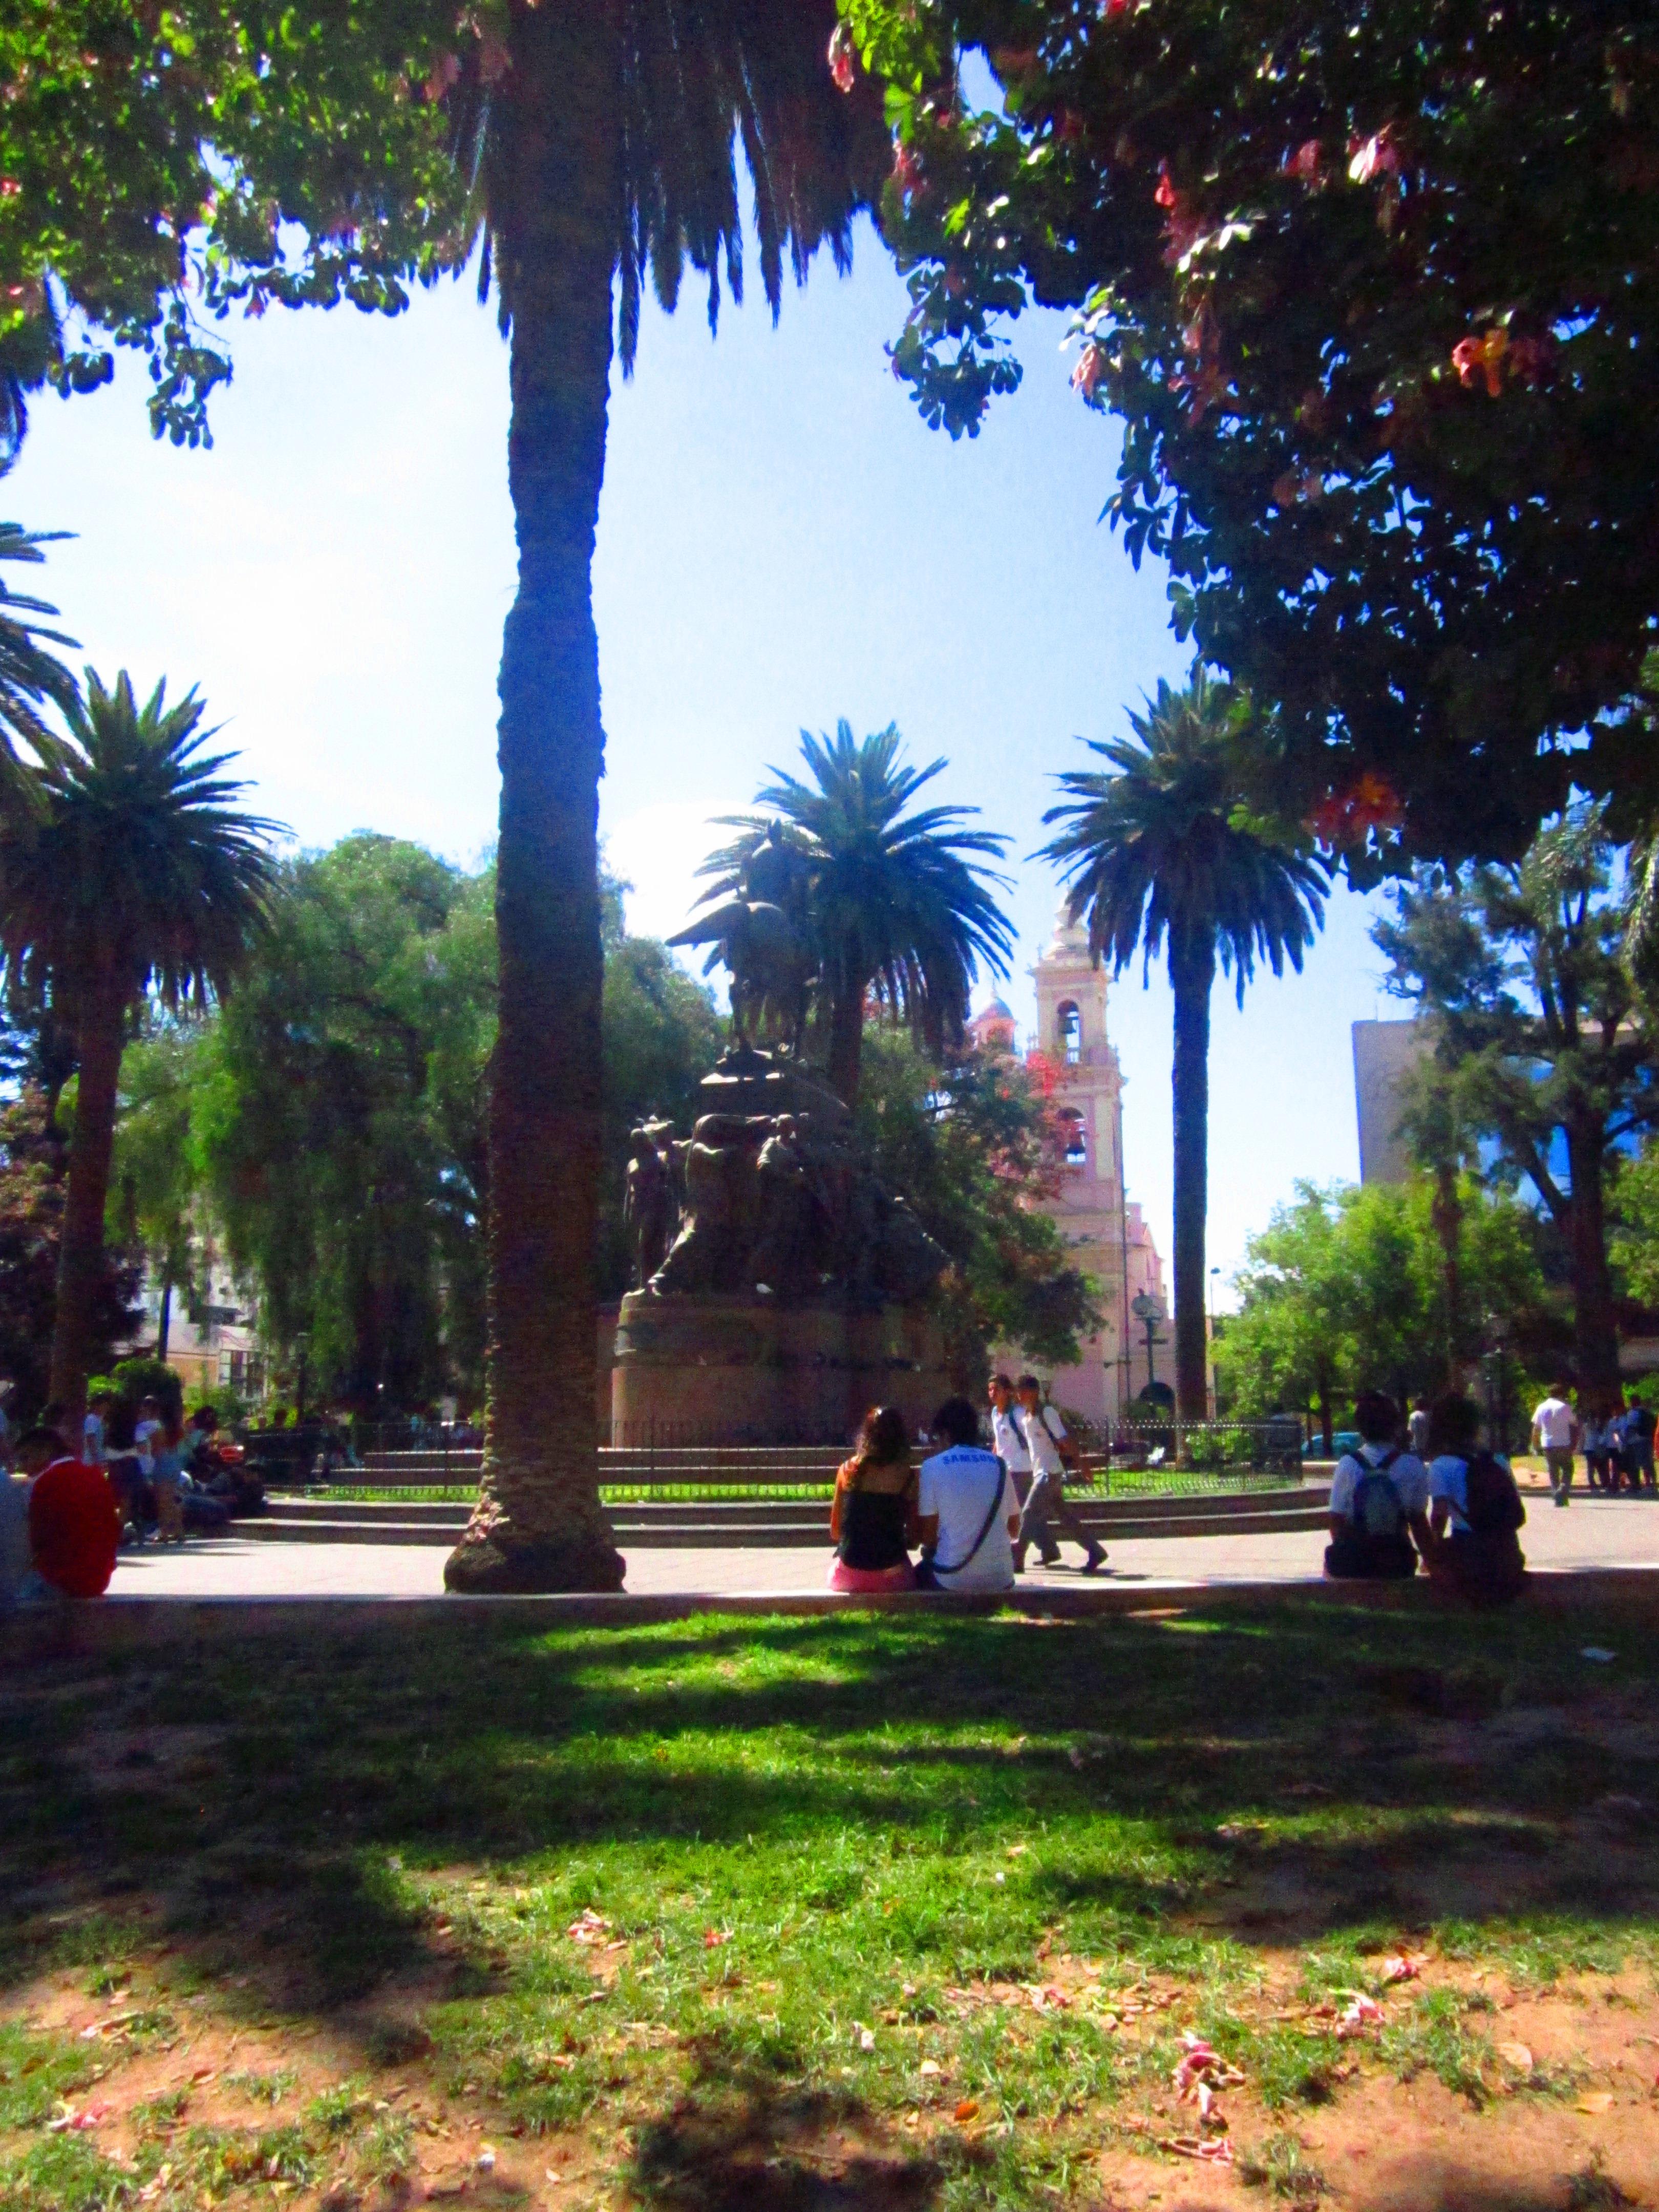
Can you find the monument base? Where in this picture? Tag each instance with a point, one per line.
(716, 1368)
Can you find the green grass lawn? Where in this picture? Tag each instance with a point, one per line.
(866, 1908)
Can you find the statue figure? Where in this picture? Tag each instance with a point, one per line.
(758, 932)
(648, 1209)
(787, 1253)
(717, 1229)
(910, 1262)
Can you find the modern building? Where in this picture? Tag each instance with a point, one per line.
(1385, 1053)
(1113, 1244)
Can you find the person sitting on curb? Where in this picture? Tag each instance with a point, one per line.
(872, 1516)
(1477, 1511)
(1379, 1504)
(968, 1515)
(73, 1526)
(1045, 1509)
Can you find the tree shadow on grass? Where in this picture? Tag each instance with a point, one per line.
(753, 2147)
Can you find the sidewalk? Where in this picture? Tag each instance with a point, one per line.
(1591, 1532)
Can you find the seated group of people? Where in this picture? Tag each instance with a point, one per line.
(1460, 1514)
(967, 1510)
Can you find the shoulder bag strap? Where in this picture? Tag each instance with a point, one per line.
(972, 1552)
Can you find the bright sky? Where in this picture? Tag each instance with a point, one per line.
(781, 542)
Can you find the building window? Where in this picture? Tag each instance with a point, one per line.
(1077, 1145)
(1070, 1033)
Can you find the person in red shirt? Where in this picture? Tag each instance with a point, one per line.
(73, 1526)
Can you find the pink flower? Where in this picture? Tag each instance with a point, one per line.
(1091, 367)
(841, 57)
(445, 70)
(1111, 9)
(1304, 163)
(9, 188)
(1165, 194)
(906, 167)
(1373, 157)
(1473, 357)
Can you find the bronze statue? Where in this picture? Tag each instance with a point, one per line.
(648, 1209)
(756, 932)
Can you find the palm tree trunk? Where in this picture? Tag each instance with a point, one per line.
(537, 1525)
(1191, 971)
(846, 1045)
(80, 1255)
(1448, 1219)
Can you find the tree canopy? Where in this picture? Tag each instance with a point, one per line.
(1373, 292)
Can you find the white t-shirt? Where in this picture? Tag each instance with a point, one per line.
(1553, 1422)
(1008, 1438)
(1448, 1478)
(92, 1440)
(143, 1437)
(1409, 1476)
(959, 1484)
(1043, 1430)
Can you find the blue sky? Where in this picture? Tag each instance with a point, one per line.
(781, 542)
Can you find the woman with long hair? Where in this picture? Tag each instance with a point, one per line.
(872, 1516)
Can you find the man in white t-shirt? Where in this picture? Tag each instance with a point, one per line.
(1379, 1501)
(1045, 1505)
(1008, 1434)
(966, 1510)
(1555, 1433)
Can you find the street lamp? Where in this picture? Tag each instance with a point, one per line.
(1148, 1312)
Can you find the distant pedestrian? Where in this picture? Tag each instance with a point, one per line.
(1008, 1443)
(1379, 1500)
(872, 1516)
(1555, 1433)
(1636, 1443)
(968, 1515)
(1051, 1452)
(1476, 1513)
(1418, 1430)
(1598, 1439)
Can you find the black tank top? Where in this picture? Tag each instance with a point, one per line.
(872, 1529)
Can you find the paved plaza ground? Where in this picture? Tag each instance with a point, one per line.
(1620, 1532)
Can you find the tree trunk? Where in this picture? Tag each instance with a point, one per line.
(1327, 1426)
(847, 1046)
(164, 1320)
(1595, 1332)
(539, 1524)
(1191, 971)
(80, 1255)
(1448, 1218)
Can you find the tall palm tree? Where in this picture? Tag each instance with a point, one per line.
(30, 675)
(603, 137)
(1159, 851)
(129, 874)
(892, 910)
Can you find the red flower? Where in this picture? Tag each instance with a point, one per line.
(1347, 818)
(1304, 163)
(841, 57)
(1165, 194)
(1375, 156)
(1091, 367)
(1473, 357)
(906, 167)
(1111, 9)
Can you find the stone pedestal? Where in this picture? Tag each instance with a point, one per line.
(715, 1369)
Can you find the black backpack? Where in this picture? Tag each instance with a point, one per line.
(1379, 1518)
(1493, 1506)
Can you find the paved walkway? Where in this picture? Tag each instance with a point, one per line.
(1590, 1533)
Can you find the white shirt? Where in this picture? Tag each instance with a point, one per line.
(1449, 1480)
(144, 1436)
(1554, 1424)
(1043, 1430)
(959, 1484)
(1409, 1476)
(1008, 1438)
(92, 1440)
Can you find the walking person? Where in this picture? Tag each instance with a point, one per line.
(1008, 1437)
(1045, 1510)
(1598, 1440)
(1555, 1433)
(1637, 1442)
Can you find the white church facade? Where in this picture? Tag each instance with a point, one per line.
(1112, 1243)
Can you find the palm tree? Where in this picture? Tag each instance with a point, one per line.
(128, 875)
(603, 138)
(1159, 850)
(29, 675)
(891, 911)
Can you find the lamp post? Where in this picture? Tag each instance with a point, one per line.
(1148, 1312)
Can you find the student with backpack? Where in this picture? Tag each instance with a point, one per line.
(1379, 1504)
(1476, 1511)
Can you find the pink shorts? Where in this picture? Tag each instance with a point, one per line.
(869, 1580)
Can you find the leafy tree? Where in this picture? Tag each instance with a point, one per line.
(340, 1120)
(155, 1175)
(1345, 1290)
(1371, 290)
(1539, 1043)
(31, 677)
(183, 160)
(1159, 854)
(128, 877)
(976, 1149)
(889, 909)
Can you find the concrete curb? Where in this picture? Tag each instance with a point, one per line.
(123, 1622)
